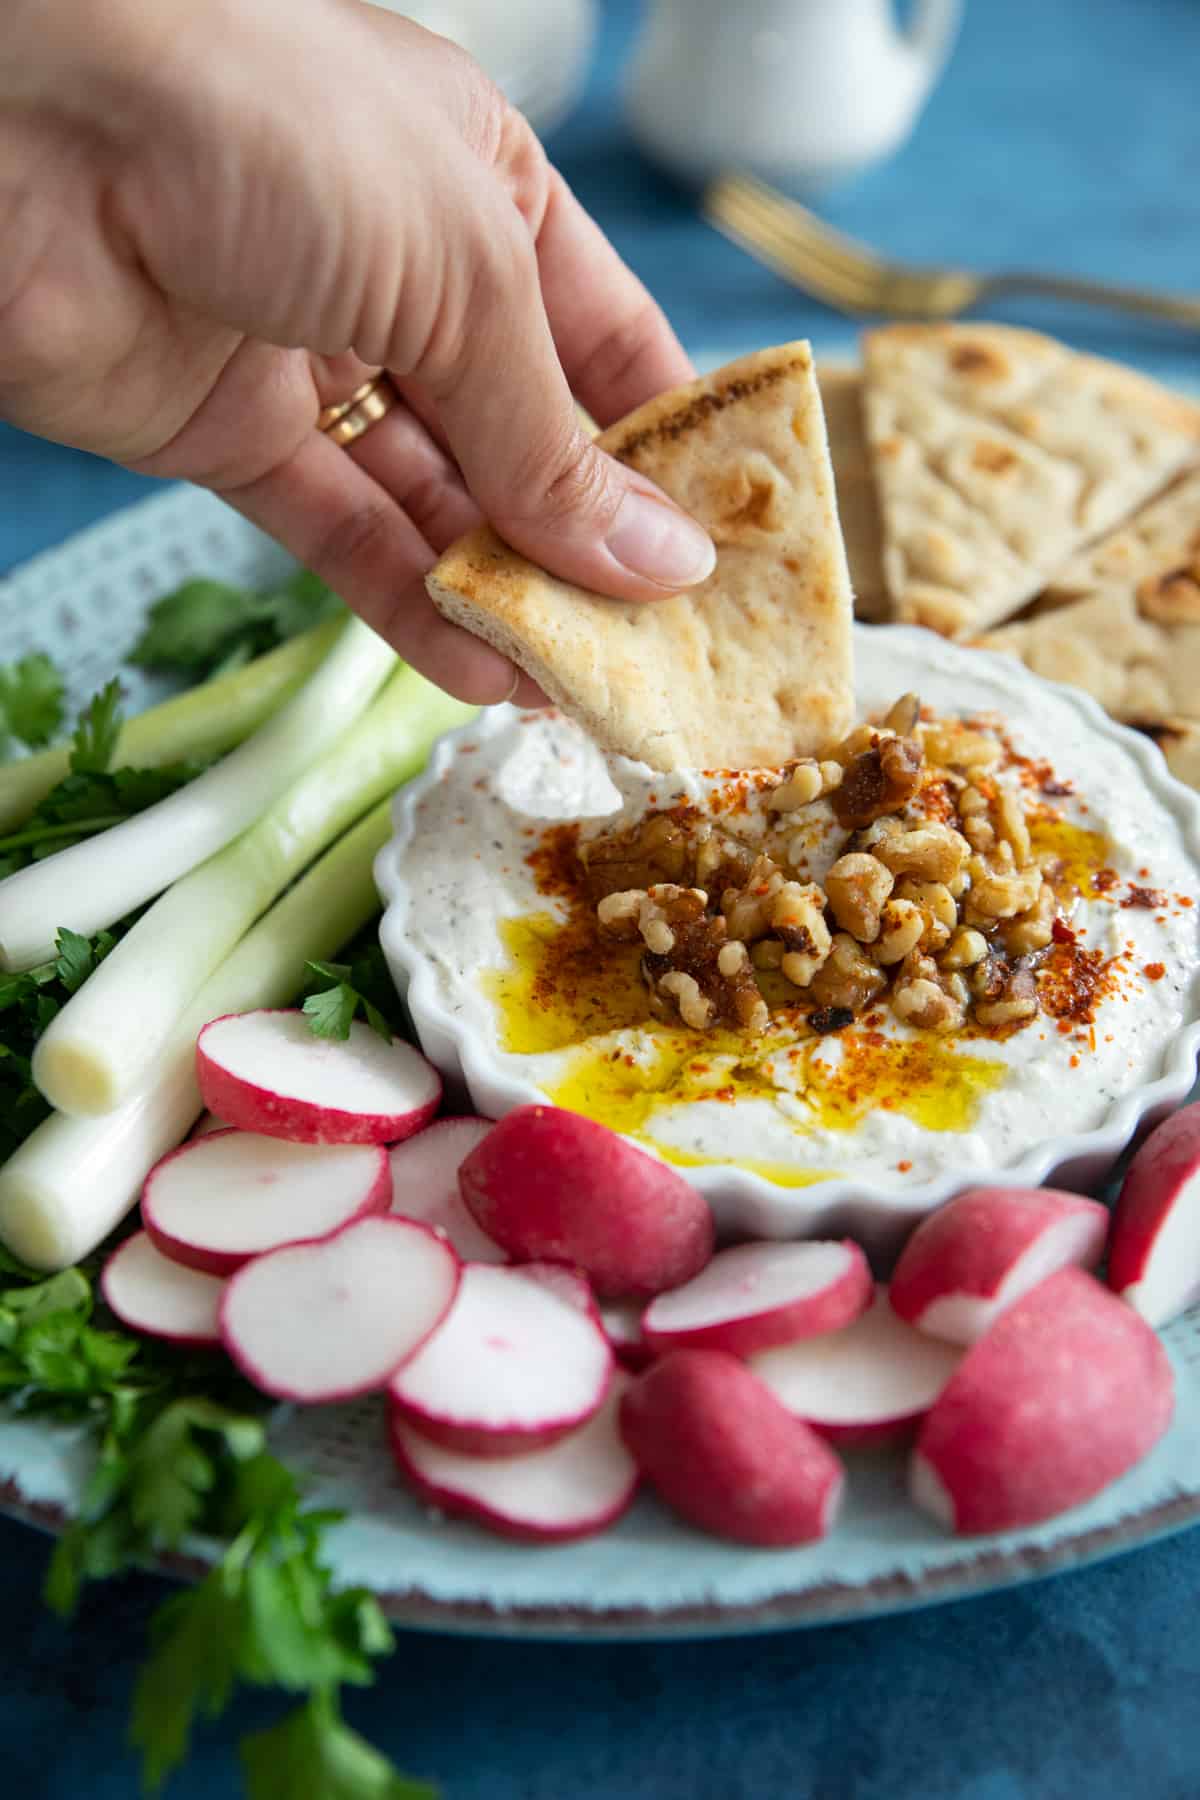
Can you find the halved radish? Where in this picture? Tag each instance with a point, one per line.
(517, 1363)
(549, 1183)
(269, 1072)
(425, 1185)
(622, 1322)
(1066, 1392)
(1154, 1251)
(720, 1449)
(569, 1489)
(327, 1320)
(758, 1295)
(149, 1293)
(865, 1384)
(208, 1122)
(220, 1199)
(981, 1251)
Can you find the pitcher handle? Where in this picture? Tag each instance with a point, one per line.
(933, 30)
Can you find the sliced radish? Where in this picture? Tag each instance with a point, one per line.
(331, 1319)
(230, 1195)
(981, 1251)
(720, 1449)
(622, 1322)
(758, 1295)
(549, 1183)
(269, 1072)
(517, 1363)
(152, 1294)
(569, 1489)
(425, 1185)
(208, 1122)
(1154, 1253)
(865, 1384)
(1066, 1392)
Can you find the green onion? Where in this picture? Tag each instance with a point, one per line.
(102, 1046)
(198, 725)
(73, 1180)
(92, 884)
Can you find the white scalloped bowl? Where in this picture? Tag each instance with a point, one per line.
(891, 659)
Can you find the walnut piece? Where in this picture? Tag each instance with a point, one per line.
(848, 978)
(797, 918)
(878, 780)
(857, 886)
(935, 852)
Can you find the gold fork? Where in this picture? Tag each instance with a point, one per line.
(793, 241)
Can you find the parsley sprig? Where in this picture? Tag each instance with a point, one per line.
(207, 628)
(28, 1002)
(173, 1463)
(31, 703)
(336, 992)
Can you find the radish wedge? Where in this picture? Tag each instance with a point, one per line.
(425, 1185)
(569, 1489)
(520, 1361)
(151, 1294)
(549, 1183)
(971, 1259)
(1068, 1390)
(724, 1454)
(229, 1195)
(758, 1295)
(335, 1318)
(865, 1384)
(1154, 1253)
(269, 1072)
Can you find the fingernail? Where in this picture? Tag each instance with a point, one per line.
(658, 542)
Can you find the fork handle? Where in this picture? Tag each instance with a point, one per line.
(1178, 309)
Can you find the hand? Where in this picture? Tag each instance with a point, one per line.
(219, 218)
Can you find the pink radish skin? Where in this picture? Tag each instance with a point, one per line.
(721, 1451)
(153, 1295)
(331, 1319)
(971, 1259)
(571, 1489)
(546, 1183)
(1154, 1248)
(425, 1185)
(622, 1322)
(227, 1196)
(868, 1384)
(269, 1072)
(520, 1361)
(755, 1296)
(1068, 1390)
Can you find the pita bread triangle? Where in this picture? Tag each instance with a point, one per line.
(998, 454)
(749, 669)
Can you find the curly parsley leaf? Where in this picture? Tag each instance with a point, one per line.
(315, 1753)
(31, 702)
(94, 741)
(361, 985)
(208, 627)
(28, 1002)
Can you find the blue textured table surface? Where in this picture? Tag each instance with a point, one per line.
(1063, 136)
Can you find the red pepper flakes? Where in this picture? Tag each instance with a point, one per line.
(1104, 880)
(904, 1167)
(1154, 971)
(1185, 900)
(1061, 932)
(1147, 897)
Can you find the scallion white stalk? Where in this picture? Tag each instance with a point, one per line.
(91, 885)
(102, 1046)
(204, 721)
(73, 1180)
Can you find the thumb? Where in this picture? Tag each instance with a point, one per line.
(509, 418)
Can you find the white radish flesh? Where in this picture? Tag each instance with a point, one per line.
(979, 1253)
(517, 1363)
(328, 1320)
(425, 1185)
(622, 1322)
(270, 1072)
(230, 1195)
(755, 1296)
(1154, 1255)
(153, 1295)
(570, 1489)
(870, 1381)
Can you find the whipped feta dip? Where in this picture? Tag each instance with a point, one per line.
(486, 881)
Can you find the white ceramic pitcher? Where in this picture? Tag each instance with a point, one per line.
(801, 92)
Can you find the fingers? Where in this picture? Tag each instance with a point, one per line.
(337, 520)
(614, 342)
(510, 419)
